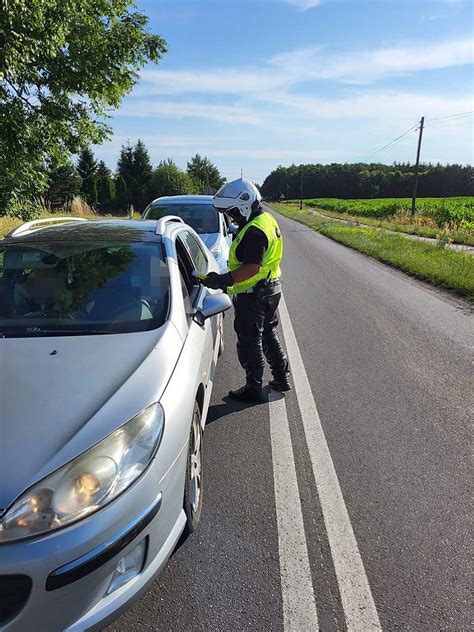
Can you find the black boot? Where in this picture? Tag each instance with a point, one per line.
(281, 384)
(249, 393)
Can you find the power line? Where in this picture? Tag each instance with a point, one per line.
(451, 124)
(439, 118)
(392, 142)
(443, 123)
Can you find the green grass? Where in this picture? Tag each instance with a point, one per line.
(440, 266)
(402, 224)
(446, 218)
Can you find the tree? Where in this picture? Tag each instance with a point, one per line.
(203, 172)
(120, 186)
(63, 67)
(105, 187)
(87, 169)
(135, 168)
(142, 172)
(102, 170)
(125, 180)
(122, 196)
(168, 179)
(89, 191)
(361, 180)
(125, 164)
(63, 184)
(105, 193)
(86, 165)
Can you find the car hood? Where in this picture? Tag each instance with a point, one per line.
(59, 396)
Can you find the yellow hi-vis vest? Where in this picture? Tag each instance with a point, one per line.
(270, 268)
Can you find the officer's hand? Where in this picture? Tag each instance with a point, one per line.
(216, 281)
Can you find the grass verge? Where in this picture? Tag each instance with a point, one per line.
(440, 266)
(402, 224)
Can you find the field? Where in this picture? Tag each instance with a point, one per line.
(448, 219)
(435, 264)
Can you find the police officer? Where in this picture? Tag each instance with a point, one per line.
(253, 281)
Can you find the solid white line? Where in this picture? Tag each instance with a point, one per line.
(357, 601)
(299, 608)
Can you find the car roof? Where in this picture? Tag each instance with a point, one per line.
(125, 230)
(183, 199)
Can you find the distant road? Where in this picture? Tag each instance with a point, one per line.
(345, 505)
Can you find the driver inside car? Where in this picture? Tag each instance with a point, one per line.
(42, 290)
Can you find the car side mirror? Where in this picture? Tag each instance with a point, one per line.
(212, 304)
(233, 228)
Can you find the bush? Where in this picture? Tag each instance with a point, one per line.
(23, 209)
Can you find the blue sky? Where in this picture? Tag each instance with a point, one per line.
(257, 83)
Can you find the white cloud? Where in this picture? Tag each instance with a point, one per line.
(232, 80)
(221, 113)
(304, 5)
(287, 69)
(369, 65)
(391, 107)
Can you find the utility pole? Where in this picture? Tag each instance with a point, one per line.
(301, 191)
(417, 166)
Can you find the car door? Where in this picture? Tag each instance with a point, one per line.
(191, 257)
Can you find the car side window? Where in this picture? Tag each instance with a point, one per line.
(190, 285)
(197, 253)
(188, 306)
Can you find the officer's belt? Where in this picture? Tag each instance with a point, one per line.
(260, 285)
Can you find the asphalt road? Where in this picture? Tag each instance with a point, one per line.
(368, 531)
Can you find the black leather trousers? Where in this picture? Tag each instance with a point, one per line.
(257, 338)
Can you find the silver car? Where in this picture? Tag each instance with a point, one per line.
(108, 349)
(198, 211)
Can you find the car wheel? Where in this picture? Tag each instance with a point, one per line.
(221, 341)
(193, 485)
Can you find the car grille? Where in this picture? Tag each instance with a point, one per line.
(14, 593)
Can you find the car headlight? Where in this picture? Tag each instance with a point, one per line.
(88, 482)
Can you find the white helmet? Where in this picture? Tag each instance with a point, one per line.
(238, 198)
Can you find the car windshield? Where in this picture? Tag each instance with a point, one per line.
(60, 288)
(202, 217)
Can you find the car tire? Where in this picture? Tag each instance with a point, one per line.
(221, 341)
(193, 490)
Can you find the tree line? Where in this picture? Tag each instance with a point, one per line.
(134, 183)
(361, 180)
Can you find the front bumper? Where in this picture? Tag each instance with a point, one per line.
(70, 570)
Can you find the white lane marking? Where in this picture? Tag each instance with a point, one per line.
(356, 596)
(299, 608)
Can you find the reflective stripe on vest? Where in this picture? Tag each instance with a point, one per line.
(270, 268)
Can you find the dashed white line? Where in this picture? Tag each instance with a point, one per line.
(299, 608)
(356, 596)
